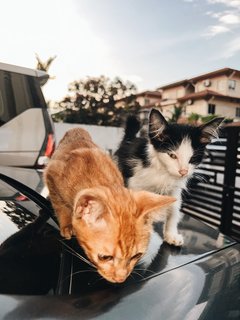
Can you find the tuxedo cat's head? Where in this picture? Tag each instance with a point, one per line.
(180, 148)
(114, 228)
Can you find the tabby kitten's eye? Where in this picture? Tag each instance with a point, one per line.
(137, 256)
(172, 155)
(105, 258)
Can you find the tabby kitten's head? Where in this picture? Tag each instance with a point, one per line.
(180, 147)
(114, 229)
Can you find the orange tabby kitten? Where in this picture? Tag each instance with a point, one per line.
(111, 222)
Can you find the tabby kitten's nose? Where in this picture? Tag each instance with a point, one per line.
(183, 172)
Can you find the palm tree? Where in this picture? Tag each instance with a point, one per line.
(176, 114)
(44, 65)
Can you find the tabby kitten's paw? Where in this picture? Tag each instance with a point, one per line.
(66, 232)
(175, 239)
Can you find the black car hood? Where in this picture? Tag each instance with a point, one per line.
(169, 283)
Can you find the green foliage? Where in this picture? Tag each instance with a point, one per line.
(176, 114)
(194, 117)
(228, 120)
(208, 118)
(96, 101)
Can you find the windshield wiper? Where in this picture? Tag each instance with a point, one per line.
(31, 194)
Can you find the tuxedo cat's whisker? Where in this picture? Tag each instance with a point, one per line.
(172, 144)
(200, 177)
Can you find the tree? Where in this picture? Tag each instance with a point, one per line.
(99, 101)
(176, 114)
(44, 65)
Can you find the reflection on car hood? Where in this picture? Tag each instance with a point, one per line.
(201, 279)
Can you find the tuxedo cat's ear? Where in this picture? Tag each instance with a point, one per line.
(157, 124)
(149, 204)
(90, 208)
(209, 130)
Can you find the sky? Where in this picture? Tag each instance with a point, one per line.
(149, 42)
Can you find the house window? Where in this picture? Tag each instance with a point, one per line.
(146, 101)
(211, 108)
(238, 112)
(231, 84)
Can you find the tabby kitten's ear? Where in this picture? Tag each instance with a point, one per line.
(157, 124)
(149, 204)
(90, 208)
(210, 130)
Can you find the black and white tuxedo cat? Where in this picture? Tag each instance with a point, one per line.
(164, 161)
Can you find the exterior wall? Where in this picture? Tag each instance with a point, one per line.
(145, 101)
(236, 91)
(226, 109)
(107, 138)
(198, 106)
(223, 108)
(174, 93)
(167, 111)
(220, 84)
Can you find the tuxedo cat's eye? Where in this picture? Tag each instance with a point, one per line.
(137, 256)
(172, 155)
(105, 258)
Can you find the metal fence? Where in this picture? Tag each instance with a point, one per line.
(214, 195)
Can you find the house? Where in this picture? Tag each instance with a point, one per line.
(146, 99)
(216, 92)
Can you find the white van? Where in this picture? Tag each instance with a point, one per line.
(26, 130)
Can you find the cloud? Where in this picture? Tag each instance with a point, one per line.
(227, 20)
(131, 77)
(229, 3)
(233, 47)
(215, 30)
(230, 19)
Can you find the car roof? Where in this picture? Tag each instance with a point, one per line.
(22, 70)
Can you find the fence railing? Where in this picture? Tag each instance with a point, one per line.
(214, 195)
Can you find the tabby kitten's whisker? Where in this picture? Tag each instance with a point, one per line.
(137, 273)
(146, 270)
(77, 254)
(77, 272)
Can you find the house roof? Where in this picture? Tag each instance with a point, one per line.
(145, 94)
(206, 94)
(223, 71)
(148, 93)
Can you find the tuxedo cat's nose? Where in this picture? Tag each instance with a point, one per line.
(183, 172)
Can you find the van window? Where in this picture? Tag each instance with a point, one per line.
(22, 95)
(36, 93)
(8, 103)
(1, 103)
(18, 93)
